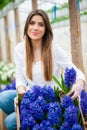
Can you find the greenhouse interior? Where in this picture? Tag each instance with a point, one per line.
(68, 20)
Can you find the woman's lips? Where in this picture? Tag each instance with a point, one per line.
(35, 33)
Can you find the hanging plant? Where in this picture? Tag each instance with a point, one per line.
(3, 3)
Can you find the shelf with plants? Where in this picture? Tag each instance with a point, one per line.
(66, 17)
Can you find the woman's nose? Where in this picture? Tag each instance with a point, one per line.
(35, 26)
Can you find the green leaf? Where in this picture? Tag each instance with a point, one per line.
(76, 102)
(56, 80)
(56, 90)
(64, 86)
(61, 85)
(20, 96)
(3, 3)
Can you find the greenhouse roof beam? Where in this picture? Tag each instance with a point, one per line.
(9, 7)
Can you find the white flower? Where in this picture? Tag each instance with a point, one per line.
(5, 68)
(7, 71)
(1, 64)
(11, 65)
(4, 77)
(10, 73)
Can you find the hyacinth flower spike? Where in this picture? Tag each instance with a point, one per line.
(67, 80)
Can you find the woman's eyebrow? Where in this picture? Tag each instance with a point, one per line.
(36, 21)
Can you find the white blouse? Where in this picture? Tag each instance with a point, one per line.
(60, 61)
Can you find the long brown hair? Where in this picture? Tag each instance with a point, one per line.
(46, 55)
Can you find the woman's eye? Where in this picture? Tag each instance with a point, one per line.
(32, 23)
(41, 24)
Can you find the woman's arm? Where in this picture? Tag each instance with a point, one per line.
(20, 79)
(64, 61)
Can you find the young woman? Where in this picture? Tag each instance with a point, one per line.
(37, 58)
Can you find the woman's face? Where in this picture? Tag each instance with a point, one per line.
(36, 28)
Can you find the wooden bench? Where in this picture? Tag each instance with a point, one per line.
(2, 117)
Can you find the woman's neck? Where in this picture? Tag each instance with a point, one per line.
(36, 45)
(36, 51)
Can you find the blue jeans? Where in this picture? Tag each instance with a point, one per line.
(7, 106)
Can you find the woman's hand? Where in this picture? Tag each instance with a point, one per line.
(21, 90)
(76, 89)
